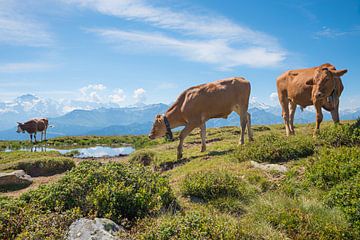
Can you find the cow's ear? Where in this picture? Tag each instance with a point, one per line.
(310, 82)
(18, 123)
(339, 73)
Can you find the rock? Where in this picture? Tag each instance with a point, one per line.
(14, 180)
(269, 167)
(97, 229)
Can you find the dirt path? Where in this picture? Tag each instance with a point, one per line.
(37, 181)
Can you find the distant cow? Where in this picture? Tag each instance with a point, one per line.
(198, 104)
(33, 126)
(320, 86)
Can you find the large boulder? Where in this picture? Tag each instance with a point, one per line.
(97, 229)
(14, 180)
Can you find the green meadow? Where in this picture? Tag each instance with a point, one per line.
(217, 194)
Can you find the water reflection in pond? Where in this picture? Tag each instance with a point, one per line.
(87, 152)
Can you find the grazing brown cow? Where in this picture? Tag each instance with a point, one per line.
(198, 104)
(320, 86)
(33, 126)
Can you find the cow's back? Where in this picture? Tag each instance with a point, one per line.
(216, 99)
(41, 124)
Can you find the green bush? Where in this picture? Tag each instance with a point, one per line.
(299, 218)
(23, 221)
(333, 166)
(144, 157)
(346, 196)
(341, 135)
(11, 218)
(274, 148)
(112, 190)
(193, 225)
(209, 185)
(45, 166)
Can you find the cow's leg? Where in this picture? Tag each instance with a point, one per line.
(292, 107)
(250, 133)
(335, 114)
(45, 134)
(31, 137)
(35, 137)
(243, 123)
(319, 118)
(203, 137)
(183, 134)
(284, 101)
(42, 135)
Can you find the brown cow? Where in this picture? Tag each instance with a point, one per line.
(198, 104)
(320, 86)
(33, 126)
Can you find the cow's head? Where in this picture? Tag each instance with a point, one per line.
(323, 82)
(19, 129)
(159, 128)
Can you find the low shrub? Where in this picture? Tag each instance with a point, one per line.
(299, 218)
(341, 135)
(23, 221)
(144, 157)
(11, 218)
(209, 185)
(193, 225)
(332, 166)
(231, 205)
(274, 148)
(44, 166)
(346, 196)
(113, 190)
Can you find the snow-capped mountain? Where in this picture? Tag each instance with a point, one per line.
(82, 118)
(27, 106)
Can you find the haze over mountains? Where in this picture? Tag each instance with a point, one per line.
(91, 118)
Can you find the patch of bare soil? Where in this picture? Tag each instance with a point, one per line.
(37, 181)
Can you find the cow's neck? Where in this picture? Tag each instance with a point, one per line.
(174, 117)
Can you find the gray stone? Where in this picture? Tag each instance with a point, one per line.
(269, 167)
(18, 177)
(97, 229)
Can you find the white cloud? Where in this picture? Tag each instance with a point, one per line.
(205, 37)
(274, 96)
(91, 92)
(18, 28)
(211, 51)
(25, 67)
(118, 96)
(139, 95)
(327, 32)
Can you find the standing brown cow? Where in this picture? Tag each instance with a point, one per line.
(33, 126)
(320, 86)
(198, 104)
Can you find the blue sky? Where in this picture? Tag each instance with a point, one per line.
(125, 52)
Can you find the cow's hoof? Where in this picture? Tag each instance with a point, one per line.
(203, 149)
(179, 156)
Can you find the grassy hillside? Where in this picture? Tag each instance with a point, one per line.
(219, 194)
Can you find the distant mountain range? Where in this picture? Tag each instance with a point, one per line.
(99, 120)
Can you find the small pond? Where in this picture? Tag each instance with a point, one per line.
(85, 152)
